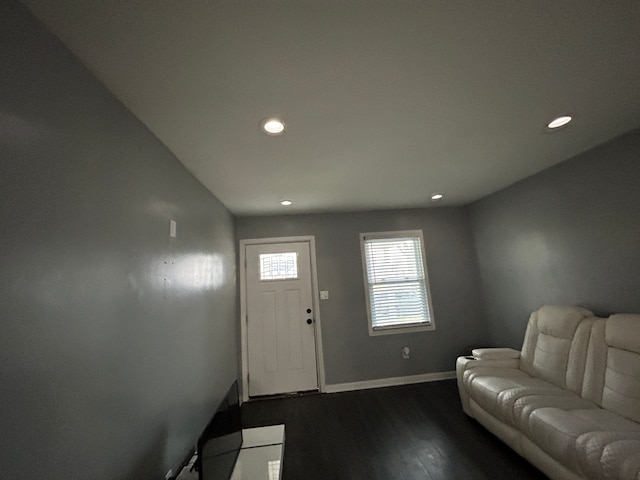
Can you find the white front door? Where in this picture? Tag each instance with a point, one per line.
(280, 327)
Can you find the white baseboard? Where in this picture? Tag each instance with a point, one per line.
(389, 382)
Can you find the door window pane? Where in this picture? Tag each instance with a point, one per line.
(278, 266)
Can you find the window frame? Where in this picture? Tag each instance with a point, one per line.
(397, 328)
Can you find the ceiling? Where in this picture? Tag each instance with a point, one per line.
(385, 101)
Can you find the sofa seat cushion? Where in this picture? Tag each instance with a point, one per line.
(524, 406)
(607, 421)
(609, 455)
(556, 431)
(492, 371)
(503, 377)
(498, 395)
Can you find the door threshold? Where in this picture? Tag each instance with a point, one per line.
(284, 395)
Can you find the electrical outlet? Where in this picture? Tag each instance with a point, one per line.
(405, 352)
(169, 474)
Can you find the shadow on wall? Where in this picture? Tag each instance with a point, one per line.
(150, 459)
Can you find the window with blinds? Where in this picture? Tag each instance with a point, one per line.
(396, 282)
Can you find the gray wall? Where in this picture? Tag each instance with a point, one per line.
(116, 343)
(350, 354)
(568, 235)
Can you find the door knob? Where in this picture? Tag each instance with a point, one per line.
(309, 321)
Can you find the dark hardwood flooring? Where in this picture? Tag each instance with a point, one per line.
(398, 433)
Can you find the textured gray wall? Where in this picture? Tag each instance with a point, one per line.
(568, 235)
(116, 343)
(350, 354)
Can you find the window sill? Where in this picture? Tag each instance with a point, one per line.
(401, 329)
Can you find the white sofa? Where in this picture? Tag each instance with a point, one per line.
(569, 402)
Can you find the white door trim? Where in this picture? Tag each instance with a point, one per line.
(243, 306)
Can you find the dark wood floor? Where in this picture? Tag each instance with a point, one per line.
(397, 433)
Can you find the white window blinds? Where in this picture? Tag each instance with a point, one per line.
(396, 280)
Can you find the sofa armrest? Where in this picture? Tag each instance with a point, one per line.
(495, 353)
(472, 363)
(476, 364)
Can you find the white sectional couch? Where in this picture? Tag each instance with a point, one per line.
(569, 402)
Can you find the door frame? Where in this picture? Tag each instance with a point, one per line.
(315, 294)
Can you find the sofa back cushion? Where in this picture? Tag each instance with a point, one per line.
(555, 345)
(621, 392)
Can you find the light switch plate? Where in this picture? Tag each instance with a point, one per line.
(324, 294)
(172, 228)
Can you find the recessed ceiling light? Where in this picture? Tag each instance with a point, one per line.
(286, 203)
(558, 122)
(272, 126)
(436, 196)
